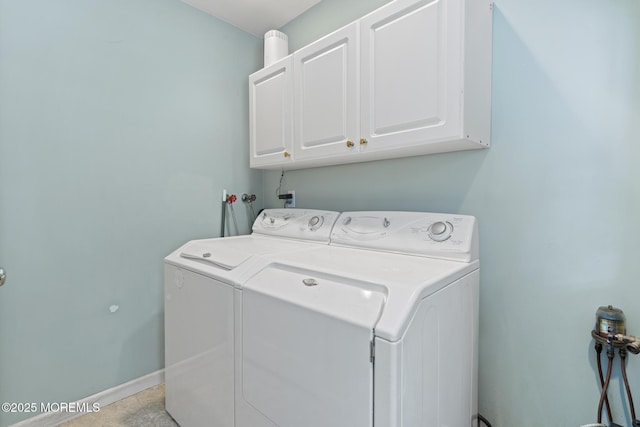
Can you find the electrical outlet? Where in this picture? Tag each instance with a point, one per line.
(291, 203)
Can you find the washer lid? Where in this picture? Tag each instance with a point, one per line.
(227, 259)
(233, 259)
(356, 302)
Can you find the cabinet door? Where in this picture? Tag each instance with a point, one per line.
(270, 115)
(411, 78)
(326, 96)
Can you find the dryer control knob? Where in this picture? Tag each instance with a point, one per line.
(440, 231)
(438, 228)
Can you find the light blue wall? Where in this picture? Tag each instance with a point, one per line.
(557, 198)
(121, 121)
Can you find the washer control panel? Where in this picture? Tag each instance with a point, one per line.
(301, 224)
(446, 236)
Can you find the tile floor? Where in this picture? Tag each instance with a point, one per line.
(143, 409)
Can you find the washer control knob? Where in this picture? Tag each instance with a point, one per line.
(440, 231)
(315, 222)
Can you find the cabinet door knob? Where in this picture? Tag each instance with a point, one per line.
(363, 141)
(350, 144)
(287, 154)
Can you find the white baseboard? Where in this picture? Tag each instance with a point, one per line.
(102, 398)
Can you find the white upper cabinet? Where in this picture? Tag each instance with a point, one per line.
(270, 115)
(413, 77)
(326, 96)
(410, 73)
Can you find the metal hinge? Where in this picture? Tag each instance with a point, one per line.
(372, 351)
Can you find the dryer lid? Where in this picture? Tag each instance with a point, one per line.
(356, 302)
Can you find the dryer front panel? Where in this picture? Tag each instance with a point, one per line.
(303, 363)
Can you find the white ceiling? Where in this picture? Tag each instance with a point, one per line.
(254, 16)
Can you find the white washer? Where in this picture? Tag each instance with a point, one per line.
(199, 281)
(378, 328)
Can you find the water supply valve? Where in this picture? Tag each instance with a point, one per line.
(610, 331)
(248, 198)
(630, 342)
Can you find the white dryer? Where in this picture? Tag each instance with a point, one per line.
(378, 328)
(199, 282)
